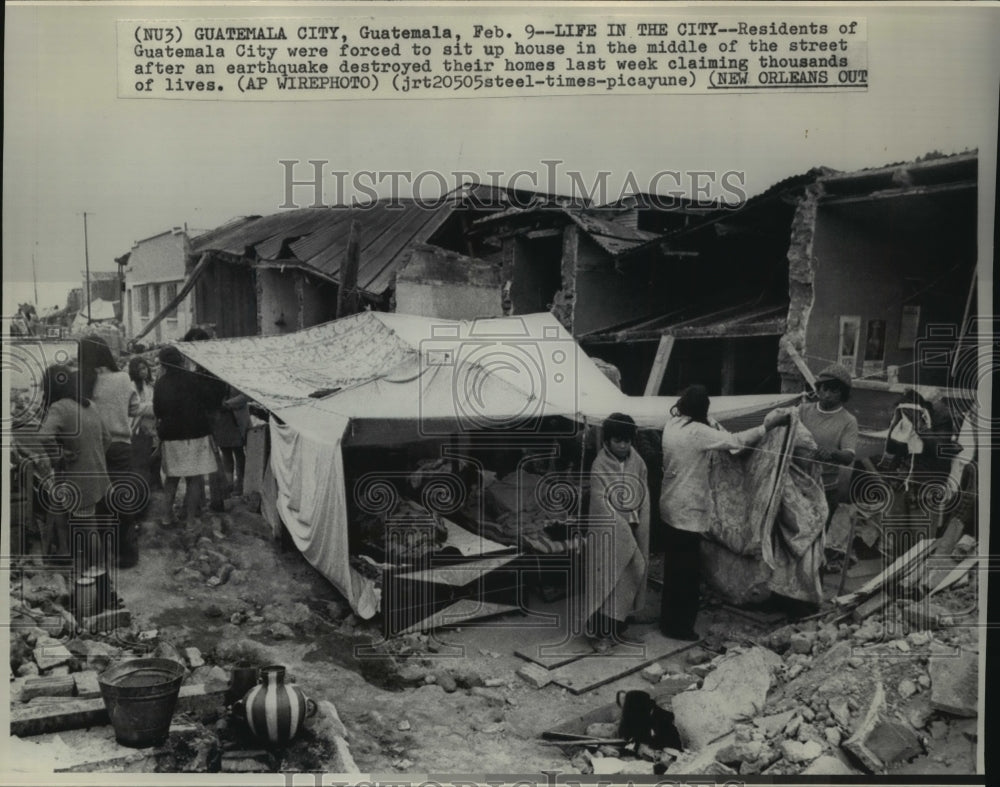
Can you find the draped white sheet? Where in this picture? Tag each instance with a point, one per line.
(308, 467)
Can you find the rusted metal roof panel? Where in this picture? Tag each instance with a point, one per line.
(317, 237)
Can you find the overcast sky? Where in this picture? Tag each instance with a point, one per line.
(139, 167)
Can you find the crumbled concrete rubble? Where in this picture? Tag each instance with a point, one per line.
(55, 658)
(826, 696)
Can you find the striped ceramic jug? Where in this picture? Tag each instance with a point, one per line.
(273, 709)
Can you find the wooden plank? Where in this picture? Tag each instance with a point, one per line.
(38, 718)
(955, 574)
(555, 656)
(917, 552)
(659, 368)
(588, 673)
(48, 686)
(799, 362)
(461, 611)
(879, 602)
(458, 574)
(921, 579)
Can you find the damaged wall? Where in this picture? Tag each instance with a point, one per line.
(277, 302)
(438, 283)
(317, 300)
(871, 268)
(225, 297)
(607, 298)
(534, 269)
(801, 285)
(564, 301)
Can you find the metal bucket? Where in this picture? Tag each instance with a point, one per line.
(140, 696)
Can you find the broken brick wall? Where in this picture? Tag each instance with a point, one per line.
(801, 285)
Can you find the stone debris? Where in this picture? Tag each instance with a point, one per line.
(954, 681)
(801, 752)
(194, 658)
(653, 673)
(878, 742)
(50, 653)
(736, 689)
(801, 642)
(907, 688)
(87, 685)
(281, 631)
(841, 713)
(535, 674)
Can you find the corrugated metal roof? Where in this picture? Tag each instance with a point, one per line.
(318, 237)
(612, 236)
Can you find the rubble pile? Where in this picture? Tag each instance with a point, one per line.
(55, 661)
(877, 682)
(44, 643)
(206, 557)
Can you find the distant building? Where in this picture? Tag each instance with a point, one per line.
(154, 272)
(104, 286)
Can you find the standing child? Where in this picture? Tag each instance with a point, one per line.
(617, 557)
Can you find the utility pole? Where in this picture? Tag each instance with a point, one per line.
(86, 258)
(34, 279)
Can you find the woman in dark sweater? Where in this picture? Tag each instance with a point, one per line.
(180, 404)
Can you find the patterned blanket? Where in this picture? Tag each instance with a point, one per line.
(766, 532)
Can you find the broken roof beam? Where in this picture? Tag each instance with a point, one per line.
(733, 330)
(905, 191)
(551, 232)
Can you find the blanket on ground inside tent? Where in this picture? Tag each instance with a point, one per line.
(766, 528)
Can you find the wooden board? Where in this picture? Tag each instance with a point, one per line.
(461, 611)
(901, 564)
(554, 656)
(458, 574)
(659, 367)
(587, 673)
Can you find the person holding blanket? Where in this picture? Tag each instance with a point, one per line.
(618, 555)
(688, 438)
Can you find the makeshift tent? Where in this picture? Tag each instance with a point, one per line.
(378, 378)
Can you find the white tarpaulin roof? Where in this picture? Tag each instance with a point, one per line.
(494, 373)
(398, 370)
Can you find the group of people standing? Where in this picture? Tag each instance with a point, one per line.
(202, 426)
(111, 434)
(689, 437)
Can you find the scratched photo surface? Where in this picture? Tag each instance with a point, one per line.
(528, 393)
